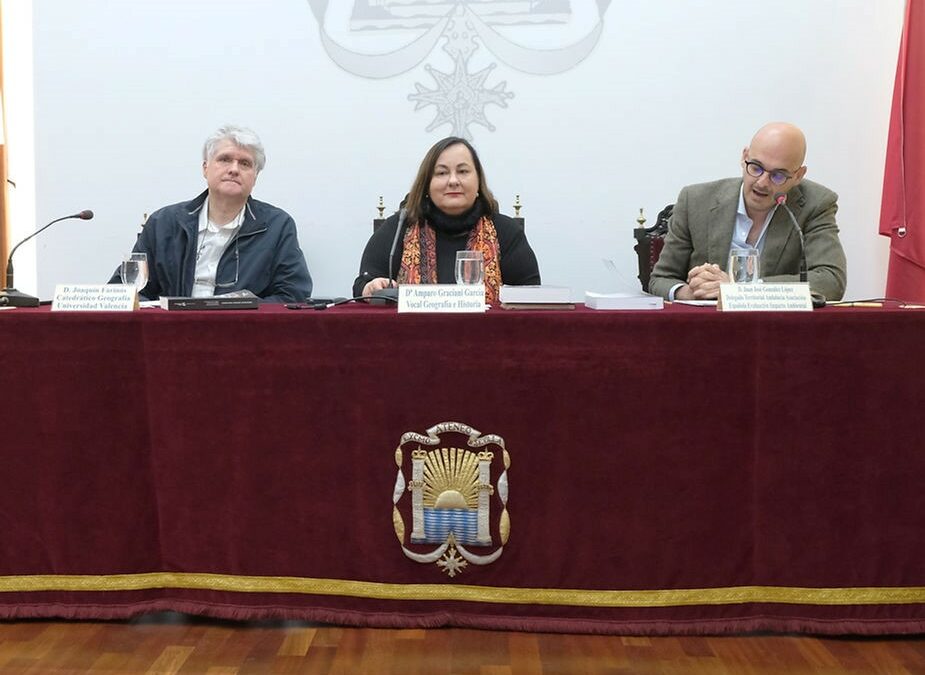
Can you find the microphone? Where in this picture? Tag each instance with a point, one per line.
(390, 294)
(781, 200)
(9, 296)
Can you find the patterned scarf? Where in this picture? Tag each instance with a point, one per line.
(419, 255)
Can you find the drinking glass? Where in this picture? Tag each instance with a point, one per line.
(470, 268)
(743, 266)
(134, 270)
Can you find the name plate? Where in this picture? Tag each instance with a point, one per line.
(442, 298)
(94, 298)
(764, 298)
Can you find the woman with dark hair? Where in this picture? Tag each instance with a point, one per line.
(448, 209)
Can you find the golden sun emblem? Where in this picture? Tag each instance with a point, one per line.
(451, 479)
(454, 498)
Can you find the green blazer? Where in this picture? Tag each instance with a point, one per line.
(703, 220)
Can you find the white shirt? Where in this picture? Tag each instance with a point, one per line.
(743, 226)
(212, 241)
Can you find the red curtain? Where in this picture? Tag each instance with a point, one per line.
(4, 244)
(901, 214)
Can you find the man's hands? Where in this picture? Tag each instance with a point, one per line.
(702, 283)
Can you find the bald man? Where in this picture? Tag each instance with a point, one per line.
(709, 219)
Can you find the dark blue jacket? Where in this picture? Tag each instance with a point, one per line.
(264, 255)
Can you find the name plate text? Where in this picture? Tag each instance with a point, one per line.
(446, 298)
(94, 298)
(764, 298)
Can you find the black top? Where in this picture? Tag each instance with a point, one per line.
(518, 262)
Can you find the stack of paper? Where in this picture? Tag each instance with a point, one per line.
(542, 294)
(623, 301)
(536, 297)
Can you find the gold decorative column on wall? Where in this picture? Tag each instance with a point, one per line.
(517, 207)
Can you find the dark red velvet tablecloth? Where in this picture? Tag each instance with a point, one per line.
(675, 471)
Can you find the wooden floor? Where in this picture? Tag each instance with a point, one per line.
(170, 643)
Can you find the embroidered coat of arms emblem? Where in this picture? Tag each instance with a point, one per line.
(454, 498)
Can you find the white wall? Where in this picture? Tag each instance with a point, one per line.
(125, 93)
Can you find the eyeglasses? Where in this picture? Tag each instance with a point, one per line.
(237, 267)
(777, 176)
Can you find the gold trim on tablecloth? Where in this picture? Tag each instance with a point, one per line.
(731, 595)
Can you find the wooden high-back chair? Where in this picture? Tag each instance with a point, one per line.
(380, 220)
(649, 243)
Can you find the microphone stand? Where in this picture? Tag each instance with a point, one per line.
(781, 200)
(818, 299)
(386, 295)
(9, 296)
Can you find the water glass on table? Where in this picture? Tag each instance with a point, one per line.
(134, 270)
(470, 267)
(743, 266)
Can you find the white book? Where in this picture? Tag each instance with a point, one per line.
(623, 301)
(544, 295)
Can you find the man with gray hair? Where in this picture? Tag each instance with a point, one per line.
(224, 240)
